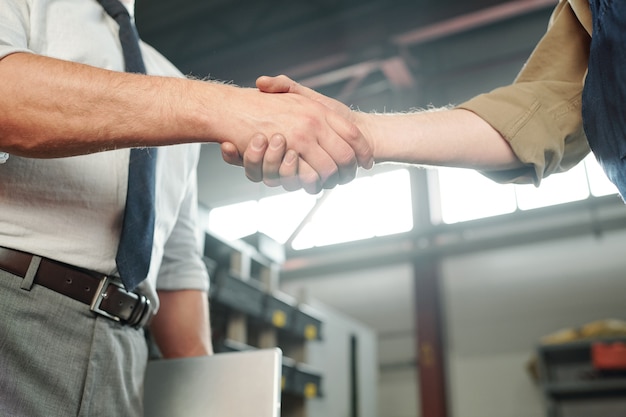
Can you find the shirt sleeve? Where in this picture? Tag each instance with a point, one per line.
(540, 114)
(14, 27)
(182, 266)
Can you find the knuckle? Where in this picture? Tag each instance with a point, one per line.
(270, 182)
(330, 173)
(309, 178)
(312, 188)
(347, 176)
(347, 158)
(252, 177)
(292, 185)
(251, 159)
(352, 134)
(270, 175)
(286, 171)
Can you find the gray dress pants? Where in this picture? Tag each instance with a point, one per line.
(58, 360)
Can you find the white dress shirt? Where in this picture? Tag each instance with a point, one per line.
(70, 209)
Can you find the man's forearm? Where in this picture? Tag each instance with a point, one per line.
(181, 327)
(54, 108)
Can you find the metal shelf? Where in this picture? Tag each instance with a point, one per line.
(570, 381)
(590, 389)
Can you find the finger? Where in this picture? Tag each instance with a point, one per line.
(347, 130)
(321, 162)
(273, 159)
(354, 138)
(279, 84)
(343, 156)
(230, 154)
(331, 142)
(288, 171)
(253, 157)
(308, 177)
(284, 84)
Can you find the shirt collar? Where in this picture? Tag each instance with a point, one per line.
(130, 5)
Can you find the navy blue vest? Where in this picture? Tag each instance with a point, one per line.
(604, 94)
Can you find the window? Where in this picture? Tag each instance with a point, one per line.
(367, 207)
(556, 189)
(381, 204)
(467, 195)
(276, 216)
(371, 206)
(599, 184)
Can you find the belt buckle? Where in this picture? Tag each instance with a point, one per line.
(101, 294)
(138, 319)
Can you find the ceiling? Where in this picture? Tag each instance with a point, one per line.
(373, 54)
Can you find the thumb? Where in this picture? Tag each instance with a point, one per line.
(284, 84)
(279, 84)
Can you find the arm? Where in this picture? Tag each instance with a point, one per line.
(53, 108)
(181, 327)
(448, 137)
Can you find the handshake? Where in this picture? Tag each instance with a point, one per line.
(307, 141)
(285, 134)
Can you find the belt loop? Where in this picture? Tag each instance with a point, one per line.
(27, 282)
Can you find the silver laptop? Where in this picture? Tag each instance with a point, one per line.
(232, 384)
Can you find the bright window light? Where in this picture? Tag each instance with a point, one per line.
(467, 195)
(234, 221)
(280, 215)
(276, 217)
(381, 205)
(556, 189)
(599, 183)
(371, 206)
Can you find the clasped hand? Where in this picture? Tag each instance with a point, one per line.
(328, 157)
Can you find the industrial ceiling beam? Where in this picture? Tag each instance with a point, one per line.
(396, 68)
(471, 21)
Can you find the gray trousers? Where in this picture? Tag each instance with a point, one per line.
(58, 359)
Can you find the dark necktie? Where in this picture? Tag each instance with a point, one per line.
(135, 247)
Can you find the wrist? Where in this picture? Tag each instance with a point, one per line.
(367, 124)
(208, 114)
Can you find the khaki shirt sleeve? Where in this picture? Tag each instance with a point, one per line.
(540, 113)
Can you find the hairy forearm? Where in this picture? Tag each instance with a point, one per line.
(181, 327)
(447, 137)
(53, 108)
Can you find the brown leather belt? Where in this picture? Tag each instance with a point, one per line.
(102, 294)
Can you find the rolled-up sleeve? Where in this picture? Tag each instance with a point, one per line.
(182, 266)
(540, 113)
